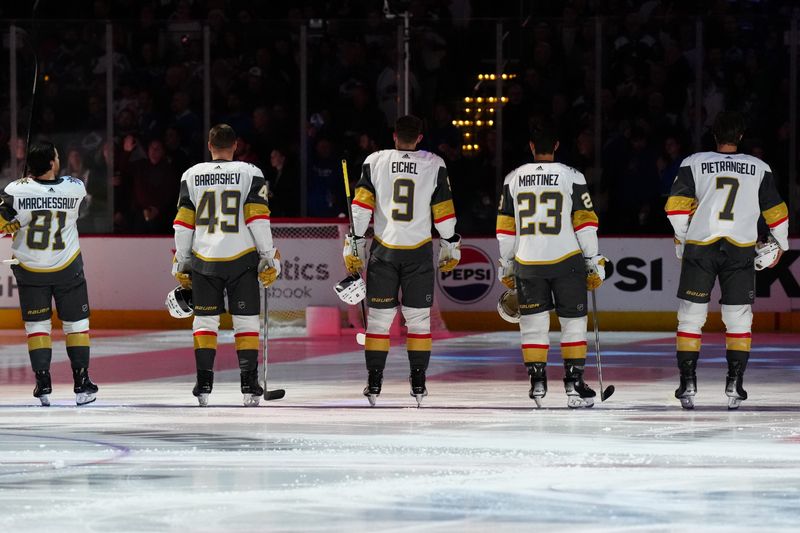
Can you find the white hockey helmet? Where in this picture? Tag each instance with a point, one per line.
(351, 289)
(508, 306)
(179, 302)
(766, 253)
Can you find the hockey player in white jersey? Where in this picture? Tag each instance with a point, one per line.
(223, 244)
(547, 232)
(714, 207)
(41, 211)
(406, 190)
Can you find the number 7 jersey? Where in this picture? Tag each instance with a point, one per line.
(545, 217)
(47, 244)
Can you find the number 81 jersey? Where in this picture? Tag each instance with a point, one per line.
(543, 207)
(47, 211)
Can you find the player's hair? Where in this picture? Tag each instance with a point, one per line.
(544, 137)
(408, 128)
(728, 127)
(221, 136)
(41, 154)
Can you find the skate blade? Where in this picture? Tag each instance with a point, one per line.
(419, 398)
(202, 400)
(45, 399)
(373, 399)
(734, 403)
(251, 400)
(687, 402)
(576, 402)
(83, 398)
(538, 400)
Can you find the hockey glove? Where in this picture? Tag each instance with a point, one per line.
(269, 267)
(9, 226)
(595, 271)
(183, 273)
(354, 253)
(449, 253)
(679, 248)
(506, 273)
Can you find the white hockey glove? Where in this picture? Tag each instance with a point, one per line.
(182, 271)
(506, 272)
(269, 267)
(595, 271)
(449, 253)
(679, 244)
(354, 253)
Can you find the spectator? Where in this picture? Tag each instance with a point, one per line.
(284, 185)
(154, 188)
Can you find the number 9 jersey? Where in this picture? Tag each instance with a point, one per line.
(47, 243)
(222, 216)
(545, 218)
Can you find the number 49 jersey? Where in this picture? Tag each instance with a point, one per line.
(721, 196)
(544, 209)
(407, 191)
(47, 244)
(223, 205)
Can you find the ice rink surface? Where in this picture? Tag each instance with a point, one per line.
(476, 457)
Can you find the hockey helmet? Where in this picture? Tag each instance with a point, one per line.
(766, 253)
(351, 289)
(179, 302)
(508, 306)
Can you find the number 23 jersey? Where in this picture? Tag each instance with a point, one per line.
(220, 201)
(47, 243)
(544, 205)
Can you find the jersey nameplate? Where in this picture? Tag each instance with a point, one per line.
(206, 180)
(714, 167)
(30, 204)
(404, 167)
(532, 180)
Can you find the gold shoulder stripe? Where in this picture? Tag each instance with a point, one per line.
(680, 205)
(775, 215)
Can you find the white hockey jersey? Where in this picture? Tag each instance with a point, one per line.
(47, 212)
(546, 215)
(407, 191)
(222, 213)
(721, 196)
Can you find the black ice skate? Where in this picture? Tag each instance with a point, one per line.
(688, 385)
(374, 383)
(84, 389)
(44, 387)
(252, 391)
(733, 385)
(579, 394)
(203, 385)
(538, 375)
(417, 381)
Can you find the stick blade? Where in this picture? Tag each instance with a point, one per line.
(276, 394)
(606, 394)
(361, 339)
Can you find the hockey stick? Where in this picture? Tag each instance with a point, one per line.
(361, 338)
(10, 261)
(34, 45)
(276, 394)
(605, 394)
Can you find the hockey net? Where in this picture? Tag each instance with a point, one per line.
(311, 260)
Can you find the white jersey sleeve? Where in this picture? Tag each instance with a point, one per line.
(48, 213)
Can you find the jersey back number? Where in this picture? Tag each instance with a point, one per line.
(403, 198)
(733, 187)
(219, 208)
(41, 235)
(527, 203)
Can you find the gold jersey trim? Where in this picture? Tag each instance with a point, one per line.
(506, 224)
(775, 214)
(403, 247)
(219, 259)
(553, 262)
(733, 242)
(54, 269)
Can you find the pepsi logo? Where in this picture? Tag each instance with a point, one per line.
(471, 280)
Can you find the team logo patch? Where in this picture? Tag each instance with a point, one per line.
(471, 280)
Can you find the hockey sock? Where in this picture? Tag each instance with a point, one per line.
(737, 360)
(40, 350)
(78, 349)
(419, 350)
(205, 349)
(246, 339)
(376, 350)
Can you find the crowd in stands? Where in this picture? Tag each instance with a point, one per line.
(647, 79)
